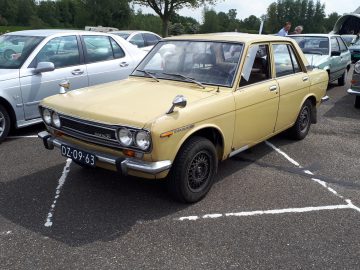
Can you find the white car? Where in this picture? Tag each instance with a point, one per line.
(41, 59)
(144, 40)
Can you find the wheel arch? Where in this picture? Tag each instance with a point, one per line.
(6, 104)
(312, 99)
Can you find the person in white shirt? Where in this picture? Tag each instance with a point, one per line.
(285, 30)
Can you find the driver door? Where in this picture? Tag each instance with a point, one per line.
(64, 53)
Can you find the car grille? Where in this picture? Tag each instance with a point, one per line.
(89, 131)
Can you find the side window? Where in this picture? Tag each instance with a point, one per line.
(283, 60)
(98, 48)
(334, 45)
(118, 52)
(256, 67)
(62, 51)
(343, 47)
(138, 41)
(295, 62)
(150, 39)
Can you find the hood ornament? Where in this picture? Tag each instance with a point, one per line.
(64, 85)
(179, 101)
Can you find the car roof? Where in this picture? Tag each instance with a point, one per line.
(50, 32)
(133, 31)
(232, 37)
(315, 35)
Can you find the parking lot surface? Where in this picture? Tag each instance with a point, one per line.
(280, 205)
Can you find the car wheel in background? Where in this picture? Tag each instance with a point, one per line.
(342, 79)
(192, 173)
(357, 102)
(303, 122)
(8, 53)
(4, 123)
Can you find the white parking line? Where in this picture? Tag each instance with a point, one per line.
(321, 182)
(271, 212)
(62, 179)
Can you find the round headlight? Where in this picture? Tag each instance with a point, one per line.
(47, 116)
(143, 140)
(357, 67)
(125, 136)
(56, 120)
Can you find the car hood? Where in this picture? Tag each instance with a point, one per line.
(133, 102)
(317, 60)
(8, 74)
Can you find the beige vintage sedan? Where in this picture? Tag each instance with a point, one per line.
(192, 102)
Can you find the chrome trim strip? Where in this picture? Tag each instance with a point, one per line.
(32, 103)
(234, 153)
(25, 123)
(353, 92)
(127, 164)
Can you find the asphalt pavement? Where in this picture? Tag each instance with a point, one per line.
(281, 205)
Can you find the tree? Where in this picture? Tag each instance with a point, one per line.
(166, 8)
(211, 22)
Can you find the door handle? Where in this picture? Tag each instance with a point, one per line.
(273, 88)
(123, 64)
(77, 72)
(305, 79)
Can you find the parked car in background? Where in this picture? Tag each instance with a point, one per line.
(355, 50)
(193, 101)
(355, 84)
(141, 39)
(328, 52)
(41, 59)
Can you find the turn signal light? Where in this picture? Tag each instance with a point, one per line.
(58, 133)
(129, 153)
(166, 134)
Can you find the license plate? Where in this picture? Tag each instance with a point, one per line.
(79, 156)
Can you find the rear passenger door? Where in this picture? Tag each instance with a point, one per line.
(105, 59)
(336, 67)
(66, 55)
(345, 56)
(293, 81)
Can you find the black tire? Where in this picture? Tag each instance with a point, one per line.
(192, 173)
(4, 123)
(303, 122)
(342, 79)
(357, 102)
(7, 54)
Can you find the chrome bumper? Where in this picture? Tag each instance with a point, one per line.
(324, 99)
(122, 164)
(353, 92)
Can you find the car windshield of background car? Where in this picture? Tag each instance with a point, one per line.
(14, 50)
(313, 45)
(206, 62)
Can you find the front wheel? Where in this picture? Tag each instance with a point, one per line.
(4, 123)
(193, 171)
(357, 102)
(303, 122)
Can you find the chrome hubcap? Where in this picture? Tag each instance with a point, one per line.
(2, 123)
(304, 119)
(199, 171)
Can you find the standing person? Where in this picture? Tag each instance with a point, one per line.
(285, 30)
(298, 30)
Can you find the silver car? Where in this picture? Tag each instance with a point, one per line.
(42, 59)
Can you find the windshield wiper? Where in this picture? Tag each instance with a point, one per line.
(149, 74)
(186, 78)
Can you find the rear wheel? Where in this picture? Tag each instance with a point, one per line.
(193, 171)
(303, 122)
(4, 123)
(342, 79)
(357, 102)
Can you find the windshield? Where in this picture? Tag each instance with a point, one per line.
(200, 62)
(15, 49)
(123, 35)
(313, 45)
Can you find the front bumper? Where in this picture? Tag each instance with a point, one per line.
(122, 164)
(353, 92)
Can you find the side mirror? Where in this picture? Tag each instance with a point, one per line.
(335, 53)
(44, 67)
(179, 101)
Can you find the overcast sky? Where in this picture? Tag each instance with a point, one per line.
(258, 7)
